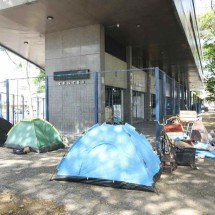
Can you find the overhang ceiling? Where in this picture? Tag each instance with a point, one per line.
(159, 34)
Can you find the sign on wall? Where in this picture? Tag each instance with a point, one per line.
(72, 75)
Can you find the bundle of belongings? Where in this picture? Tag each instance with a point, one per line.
(184, 151)
(204, 142)
(196, 137)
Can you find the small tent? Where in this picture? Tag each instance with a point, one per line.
(5, 126)
(35, 133)
(111, 155)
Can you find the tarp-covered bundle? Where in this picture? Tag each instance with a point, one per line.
(5, 126)
(111, 155)
(199, 132)
(35, 133)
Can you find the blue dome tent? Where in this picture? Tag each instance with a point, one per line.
(111, 155)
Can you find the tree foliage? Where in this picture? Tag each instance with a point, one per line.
(210, 88)
(207, 34)
(39, 81)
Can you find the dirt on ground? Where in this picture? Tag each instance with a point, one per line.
(25, 188)
(11, 203)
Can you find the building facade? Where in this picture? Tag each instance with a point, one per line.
(118, 43)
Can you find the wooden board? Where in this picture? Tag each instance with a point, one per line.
(188, 116)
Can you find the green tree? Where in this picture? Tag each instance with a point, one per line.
(210, 88)
(207, 34)
(39, 81)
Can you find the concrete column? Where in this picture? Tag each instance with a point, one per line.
(102, 76)
(128, 92)
(71, 102)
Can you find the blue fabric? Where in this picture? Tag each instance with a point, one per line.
(113, 152)
(207, 154)
(200, 145)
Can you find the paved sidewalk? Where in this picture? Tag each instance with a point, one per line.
(185, 191)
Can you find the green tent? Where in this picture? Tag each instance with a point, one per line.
(35, 133)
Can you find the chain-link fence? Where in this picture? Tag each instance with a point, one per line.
(73, 102)
(19, 99)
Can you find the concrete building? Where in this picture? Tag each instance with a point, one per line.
(98, 35)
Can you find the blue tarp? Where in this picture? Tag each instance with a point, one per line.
(207, 154)
(111, 155)
(202, 149)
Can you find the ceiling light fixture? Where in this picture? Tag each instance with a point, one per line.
(114, 26)
(50, 17)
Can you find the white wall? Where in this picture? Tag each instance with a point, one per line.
(139, 81)
(115, 79)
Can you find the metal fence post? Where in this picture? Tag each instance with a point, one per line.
(188, 99)
(96, 99)
(13, 109)
(157, 107)
(173, 96)
(178, 98)
(164, 96)
(47, 97)
(198, 105)
(0, 105)
(182, 96)
(23, 107)
(7, 100)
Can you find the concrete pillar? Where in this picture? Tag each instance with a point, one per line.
(71, 102)
(128, 92)
(102, 76)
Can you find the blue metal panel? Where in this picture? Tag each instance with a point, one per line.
(173, 96)
(185, 98)
(164, 96)
(157, 102)
(198, 105)
(188, 98)
(178, 98)
(96, 95)
(47, 97)
(182, 96)
(194, 102)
